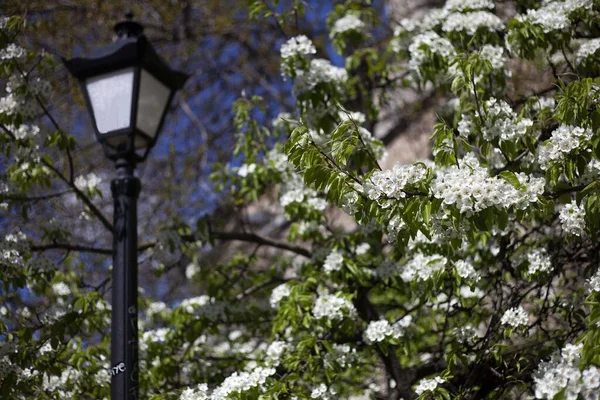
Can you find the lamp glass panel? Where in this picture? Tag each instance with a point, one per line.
(110, 96)
(152, 103)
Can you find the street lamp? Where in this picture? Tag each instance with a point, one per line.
(128, 89)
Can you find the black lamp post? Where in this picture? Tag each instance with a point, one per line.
(127, 88)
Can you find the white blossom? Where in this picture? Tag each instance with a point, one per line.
(483, 190)
(562, 372)
(461, 5)
(502, 122)
(278, 294)
(203, 307)
(318, 392)
(297, 46)
(391, 183)
(471, 22)
(515, 317)
(61, 289)
(333, 262)
(554, 16)
(539, 261)
(434, 43)
(246, 169)
(199, 393)
(466, 271)
(378, 331)
(275, 351)
(544, 102)
(12, 52)
(333, 307)
(362, 249)
(342, 354)
(278, 160)
(240, 382)
(347, 23)
(563, 141)
(421, 267)
(320, 71)
(191, 270)
(587, 49)
(425, 385)
(572, 219)
(468, 293)
(155, 308)
(594, 282)
(495, 55)
(87, 182)
(465, 334)
(24, 131)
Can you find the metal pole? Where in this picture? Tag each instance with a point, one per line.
(124, 345)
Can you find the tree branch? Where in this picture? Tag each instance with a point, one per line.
(254, 238)
(70, 247)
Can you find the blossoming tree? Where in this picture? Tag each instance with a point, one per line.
(470, 275)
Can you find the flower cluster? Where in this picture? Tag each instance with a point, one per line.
(347, 23)
(246, 169)
(425, 385)
(323, 392)
(466, 271)
(467, 293)
(572, 219)
(199, 393)
(294, 191)
(378, 331)
(462, 5)
(154, 336)
(61, 289)
(500, 122)
(278, 160)
(428, 42)
(544, 102)
(587, 49)
(342, 354)
(12, 52)
(275, 351)
(564, 140)
(320, 71)
(539, 261)
(594, 282)
(293, 54)
(24, 131)
(362, 249)
(471, 22)
(551, 16)
(333, 262)
(87, 182)
(495, 55)
(516, 316)
(297, 46)
(483, 191)
(465, 334)
(422, 267)
(562, 372)
(391, 183)
(155, 308)
(554, 16)
(333, 307)
(13, 104)
(279, 293)
(238, 382)
(203, 307)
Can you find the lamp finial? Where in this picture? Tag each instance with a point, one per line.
(128, 28)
